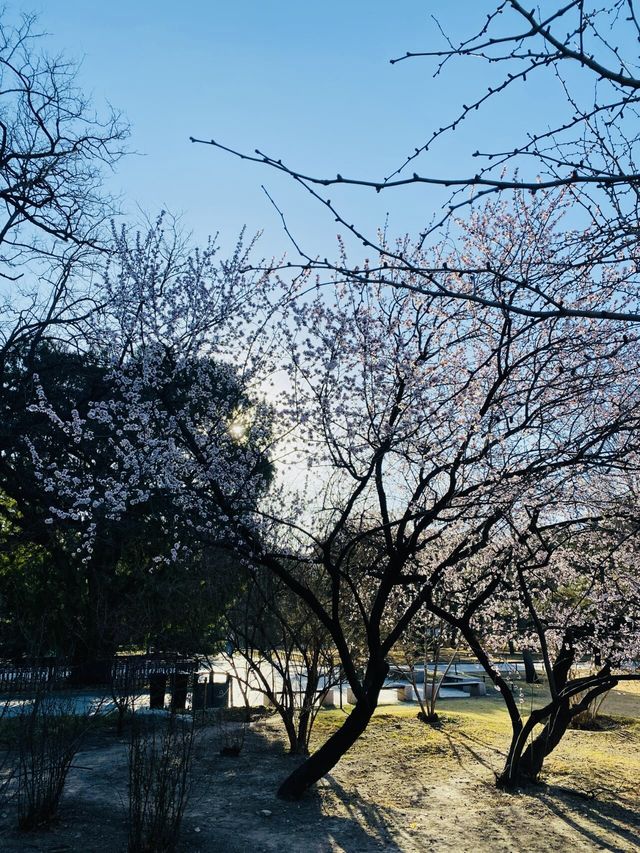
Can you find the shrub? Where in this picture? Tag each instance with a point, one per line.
(159, 782)
(50, 729)
(231, 732)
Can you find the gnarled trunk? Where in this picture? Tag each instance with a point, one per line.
(325, 758)
(525, 760)
(554, 730)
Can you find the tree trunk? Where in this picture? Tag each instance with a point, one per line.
(92, 655)
(554, 730)
(524, 763)
(90, 667)
(325, 758)
(534, 755)
(303, 732)
(290, 727)
(525, 760)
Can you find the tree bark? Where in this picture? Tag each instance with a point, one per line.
(555, 728)
(525, 761)
(303, 733)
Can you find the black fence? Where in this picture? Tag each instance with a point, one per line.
(123, 673)
(34, 677)
(123, 676)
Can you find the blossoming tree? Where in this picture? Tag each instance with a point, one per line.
(431, 438)
(435, 432)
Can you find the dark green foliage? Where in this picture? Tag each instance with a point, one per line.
(131, 590)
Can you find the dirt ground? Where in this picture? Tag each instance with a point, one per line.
(404, 787)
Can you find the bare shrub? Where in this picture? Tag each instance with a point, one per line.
(159, 782)
(281, 649)
(427, 641)
(7, 762)
(127, 687)
(50, 728)
(231, 731)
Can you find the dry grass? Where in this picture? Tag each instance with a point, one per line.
(442, 778)
(605, 761)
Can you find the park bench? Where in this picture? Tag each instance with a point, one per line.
(472, 686)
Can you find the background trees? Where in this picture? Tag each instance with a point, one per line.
(94, 465)
(287, 653)
(54, 150)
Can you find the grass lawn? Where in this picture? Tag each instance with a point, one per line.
(588, 799)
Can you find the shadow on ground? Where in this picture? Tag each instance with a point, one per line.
(603, 824)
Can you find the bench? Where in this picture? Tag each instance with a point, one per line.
(472, 686)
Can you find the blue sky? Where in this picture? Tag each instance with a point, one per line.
(308, 82)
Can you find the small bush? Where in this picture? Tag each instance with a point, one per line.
(159, 783)
(231, 732)
(7, 764)
(50, 729)
(126, 690)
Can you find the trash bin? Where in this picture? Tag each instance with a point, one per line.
(179, 688)
(210, 694)
(157, 689)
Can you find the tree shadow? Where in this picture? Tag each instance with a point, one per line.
(370, 818)
(239, 811)
(460, 744)
(611, 823)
